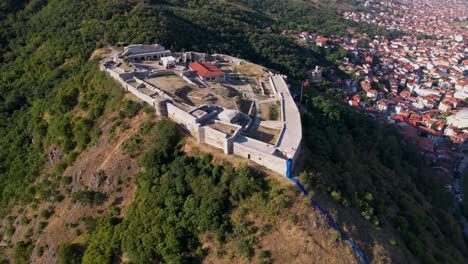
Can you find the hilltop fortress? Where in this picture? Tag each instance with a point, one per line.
(222, 101)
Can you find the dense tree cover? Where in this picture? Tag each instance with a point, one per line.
(367, 165)
(323, 18)
(45, 47)
(464, 206)
(28, 131)
(7, 7)
(70, 254)
(51, 95)
(179, 198)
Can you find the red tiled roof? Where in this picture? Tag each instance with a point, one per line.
(357, 98)
(354, 103)
(405, 94)
(399, 118)
(206, 70)
(430, 131)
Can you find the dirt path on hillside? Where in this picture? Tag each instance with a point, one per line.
(65, 225)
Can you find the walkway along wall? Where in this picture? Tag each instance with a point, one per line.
(129, 88)
(257, 151)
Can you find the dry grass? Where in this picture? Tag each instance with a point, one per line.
(270, 111)
(249, 69)
(99, 52)
(168, 83)
(227, 129)
(126, 67)
(146, 91)
(264, 134)
(107, 155)
(291, 239)
(225, 89)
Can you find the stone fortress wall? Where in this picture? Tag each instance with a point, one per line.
(263, 158)
(271, 156)
(183, 118)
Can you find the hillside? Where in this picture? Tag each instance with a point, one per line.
(82, 163)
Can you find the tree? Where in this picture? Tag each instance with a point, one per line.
(70, 253)
(22, 253)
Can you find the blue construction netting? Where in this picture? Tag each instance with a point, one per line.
(323, 211)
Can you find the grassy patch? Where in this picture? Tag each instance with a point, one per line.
(270, 111)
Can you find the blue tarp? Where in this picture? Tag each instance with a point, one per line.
(323, 211)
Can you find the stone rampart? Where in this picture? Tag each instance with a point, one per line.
(268, 160)
(187, 120)
(273, 86)
(140, 95)
(160, 92)
(187, 79)
(273, 157)
(160, 73)
(215, 138)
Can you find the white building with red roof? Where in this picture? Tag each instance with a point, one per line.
(207, 71)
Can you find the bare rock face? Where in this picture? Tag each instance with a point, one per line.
(78, 181)
(96, 181)
(49, 255)
(54, 155)
(100, 181)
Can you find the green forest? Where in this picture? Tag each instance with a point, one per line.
(364, 164)
(47, 74)
(44, 73)
(179, 199)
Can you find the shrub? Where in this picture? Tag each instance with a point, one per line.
(149, 109)
(22, 252)
(40, 251)
(131, 108)
(273, 112)
(48, 212)
(70, 254)
(89, 224)
(25, 221)
(42, 225)
(88, 197)
(336, 196)
(10, 231)
(67, 180)
(264, 257)
(244, 247)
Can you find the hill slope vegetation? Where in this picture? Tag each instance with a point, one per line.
(53, 102)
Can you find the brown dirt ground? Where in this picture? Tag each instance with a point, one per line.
(265, 109)
(291, 241)
(250, 69)
(105, 155)
(265, 134)
(308, 239)
(300, 242)
(168, 83)
(99, 52)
